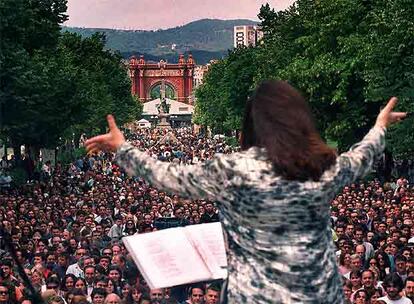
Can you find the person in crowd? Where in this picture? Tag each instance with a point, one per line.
(98, 295)
(409, 288)
(7, 277)
(62, 262)
(347, 289)
(384, 264)
(210, 215)
(116, 231)
(89, 278)
(401, 266)
(212, 294)
(112, 286)
(195, 295)
(7, 293)
(368, 281)
(67, 284)
(112, 298)
(378, 293)
(360, 236)
(130, 228)
(77, 268)
(78, 297)
(361, 297)
(344, 263)
(394, 285)
(355, 279)
(125, 289)
(157, 296)
(81, 286)
(37, 279)
(53, 283)
(134, 296)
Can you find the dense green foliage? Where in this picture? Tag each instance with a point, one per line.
(55, 86)
(226, 87)
(206, 39)
(346, 56)
(102, 84)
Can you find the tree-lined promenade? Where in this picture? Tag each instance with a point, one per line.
(67, 222)
(345, 56)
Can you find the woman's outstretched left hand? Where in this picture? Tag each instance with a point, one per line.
(110, 141)
(387, 116)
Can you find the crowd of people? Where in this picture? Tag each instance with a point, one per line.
(67, 226)
(67, 229)
(374, 233)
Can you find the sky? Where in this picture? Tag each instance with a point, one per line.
(160, 14)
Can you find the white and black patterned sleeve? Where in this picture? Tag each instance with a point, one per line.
(201, 181)
(358, 161)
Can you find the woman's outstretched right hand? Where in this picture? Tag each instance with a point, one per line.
(110, 141)
(387, 117)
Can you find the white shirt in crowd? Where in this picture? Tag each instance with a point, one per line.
(402, 300)
(75, 270)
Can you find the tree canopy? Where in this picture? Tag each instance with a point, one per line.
(348, 57)
(220, 100)
(55, 85)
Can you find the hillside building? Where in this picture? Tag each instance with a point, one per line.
(247, 35)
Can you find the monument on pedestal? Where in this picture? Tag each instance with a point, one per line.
(163, 109)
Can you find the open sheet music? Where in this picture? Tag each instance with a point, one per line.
(180, 255)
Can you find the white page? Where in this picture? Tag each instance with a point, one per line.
(167, 258)
(209, 240)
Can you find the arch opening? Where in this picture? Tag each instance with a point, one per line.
(155, 91)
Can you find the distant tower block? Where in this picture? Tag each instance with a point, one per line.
(247, 35)
(145, 76)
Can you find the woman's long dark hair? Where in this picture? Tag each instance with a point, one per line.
(279, 119)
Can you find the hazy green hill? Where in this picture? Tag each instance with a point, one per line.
(206, 39)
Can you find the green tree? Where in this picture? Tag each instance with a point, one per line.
(53, 85)
(228, 83)
(347, 57)
(42, 102)
(390, 65)
(29, 31)
(103, 85)
(209, 108)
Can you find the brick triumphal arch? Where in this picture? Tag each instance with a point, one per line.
(146, 76)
